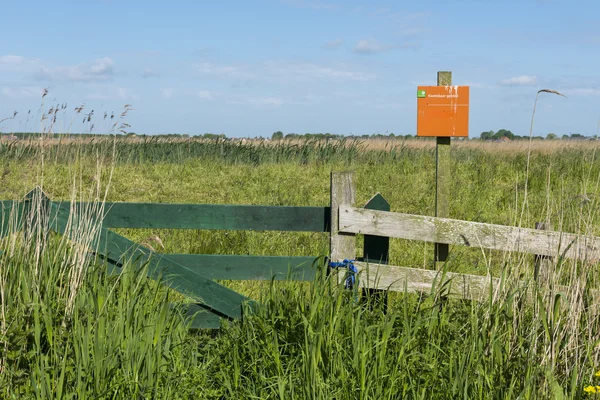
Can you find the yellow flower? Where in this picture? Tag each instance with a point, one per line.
(592, 389)
(598, 373)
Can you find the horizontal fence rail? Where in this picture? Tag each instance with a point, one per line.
(194, 275)
(118, 250)
(210, 216)
(465, 233)
(466, 286)
(233, 267)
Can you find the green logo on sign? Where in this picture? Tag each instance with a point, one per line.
(420, 93)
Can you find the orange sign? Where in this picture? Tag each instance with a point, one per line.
(443, 111)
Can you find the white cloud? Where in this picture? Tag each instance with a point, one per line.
(101, 69)
(315, 71)
(267, 101)
(222, 70)
(312, 4)
(12, 63)
(333, 44)
(150, 73)
(280, 72)
(12, 60)
(478, 85)
(124, 93)
(97, 70)
(257, 102)
(581, 92)
(523, 80)
(107, 93)
(365, 46)
(167, 93)
(205, 94)
(22, 91)
(98, 97)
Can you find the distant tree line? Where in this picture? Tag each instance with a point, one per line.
(33, 135)
(279, 135)
(504, 134)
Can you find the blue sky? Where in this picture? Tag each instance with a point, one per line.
(249, 68)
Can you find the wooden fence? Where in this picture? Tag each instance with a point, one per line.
(194, 275)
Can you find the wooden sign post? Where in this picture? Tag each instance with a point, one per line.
(443, 113)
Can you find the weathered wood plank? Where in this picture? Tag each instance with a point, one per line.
(443, 177)
(543, 264)
(172, 274)
(233, 267)
(475, 234)
(343, 192)
(213, 217)
(414, 280)
(444, 78)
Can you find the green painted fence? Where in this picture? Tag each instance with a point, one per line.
(193, 275)
(210, 216)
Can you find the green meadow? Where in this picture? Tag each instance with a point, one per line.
(69, 330)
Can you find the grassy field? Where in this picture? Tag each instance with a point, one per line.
(70, 331)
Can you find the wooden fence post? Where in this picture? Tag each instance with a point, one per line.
(377, 250)
(543, 264)
(442, 178)
(343, 191)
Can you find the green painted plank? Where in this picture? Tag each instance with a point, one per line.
(7, 203)
(377, 250)
(11, 216)
(214, 216)
(202, 318)
(174, 275)
(230, 267)
(37, 205)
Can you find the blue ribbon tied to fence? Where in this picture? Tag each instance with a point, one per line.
(351, 275)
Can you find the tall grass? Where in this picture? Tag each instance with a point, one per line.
(68, 329)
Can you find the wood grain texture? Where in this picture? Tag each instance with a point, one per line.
(343, 192)
(474, 234)
(443, 178)
(212, 216)
(444, 78)
(465, 286)
(543, 265)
